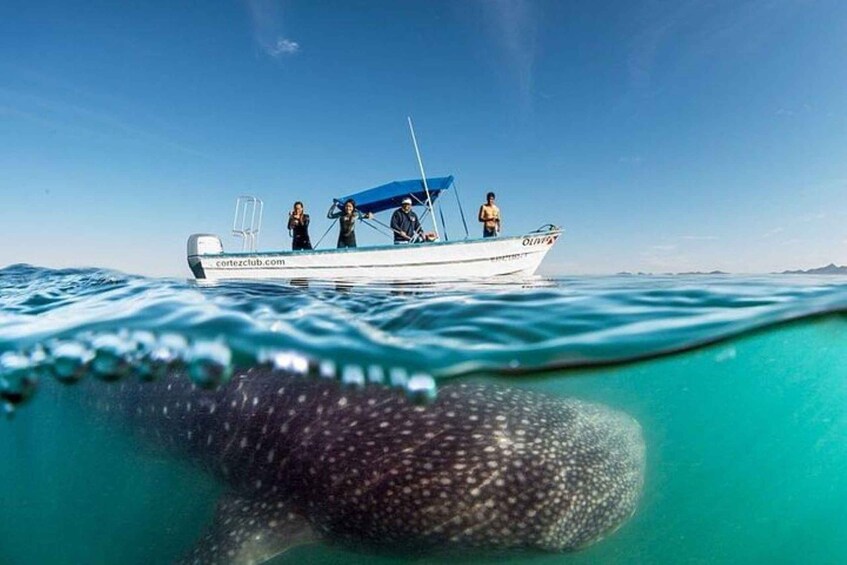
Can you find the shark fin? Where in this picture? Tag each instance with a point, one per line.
(250, 531)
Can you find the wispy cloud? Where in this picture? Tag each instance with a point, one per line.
(811, 217)
(682, 34)
(514, 26)
(773, 232)
(700, 237)
(665, 257)
(266, 16)
(81, 120)
(658, 26)
(663, 248)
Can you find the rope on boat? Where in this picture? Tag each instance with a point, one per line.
(326, 232)
(367, 223)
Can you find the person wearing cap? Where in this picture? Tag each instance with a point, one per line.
(405, 223)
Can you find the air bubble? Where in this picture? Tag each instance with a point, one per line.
(376, 375)
(112, 357)
(143, 345)
(421, 388)
(398, 377)
(70, 361)
(286, 361)
(210, 364)
(18, 381)
(327, 370)
(353, 375)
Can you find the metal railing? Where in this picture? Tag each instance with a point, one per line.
(247, 221)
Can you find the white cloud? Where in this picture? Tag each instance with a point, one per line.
(663, 248)
(266, 16)
(283, 47)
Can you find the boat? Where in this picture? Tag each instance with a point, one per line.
(443, 259)
(431, 257)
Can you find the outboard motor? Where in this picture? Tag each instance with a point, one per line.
(202, 244)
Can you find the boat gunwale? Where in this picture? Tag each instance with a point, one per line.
(396, 247)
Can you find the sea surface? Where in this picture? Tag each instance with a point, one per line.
(739, 384)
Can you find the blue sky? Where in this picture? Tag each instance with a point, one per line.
(663, 136)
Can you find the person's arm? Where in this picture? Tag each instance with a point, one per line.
(304, 219)
(481, 209)
(333, 212)
(292, 221)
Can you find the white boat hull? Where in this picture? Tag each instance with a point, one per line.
(479, 258)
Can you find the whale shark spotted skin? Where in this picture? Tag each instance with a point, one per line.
(484, 467)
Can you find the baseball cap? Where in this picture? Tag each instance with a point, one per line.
(407, 200)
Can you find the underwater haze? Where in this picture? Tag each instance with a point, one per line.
(736, 387)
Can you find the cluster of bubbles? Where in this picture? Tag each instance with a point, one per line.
(111, 357)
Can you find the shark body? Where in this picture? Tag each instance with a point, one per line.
(483, 468)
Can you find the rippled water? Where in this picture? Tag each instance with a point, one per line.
(744, 415)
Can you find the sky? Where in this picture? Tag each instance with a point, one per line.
(662, 136)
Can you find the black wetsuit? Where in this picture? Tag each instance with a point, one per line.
(347, 231)
(299, 232)
(346, 226)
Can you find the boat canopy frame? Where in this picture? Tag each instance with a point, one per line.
(391, 195)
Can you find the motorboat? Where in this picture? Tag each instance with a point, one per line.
(415, 261)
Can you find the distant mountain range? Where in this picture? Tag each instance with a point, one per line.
(831, 269)
(640, 274)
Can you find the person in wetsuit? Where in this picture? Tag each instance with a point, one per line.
(347, 217)
(489, 215)
(298, 228)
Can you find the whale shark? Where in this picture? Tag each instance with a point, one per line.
(482, 468)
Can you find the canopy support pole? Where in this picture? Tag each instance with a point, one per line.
(461, 210)
(423, 176)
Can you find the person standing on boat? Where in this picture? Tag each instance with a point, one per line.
(298, 228)
(489, 215)
(346, 222)
(405, 223)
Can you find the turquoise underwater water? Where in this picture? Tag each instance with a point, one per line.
(739, 384)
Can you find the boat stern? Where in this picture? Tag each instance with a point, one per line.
(200, 244)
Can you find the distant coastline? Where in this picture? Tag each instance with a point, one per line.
(831, 269)
(687, 273)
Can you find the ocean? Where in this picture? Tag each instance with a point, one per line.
(738, 383)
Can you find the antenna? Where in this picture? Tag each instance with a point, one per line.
(423, 176)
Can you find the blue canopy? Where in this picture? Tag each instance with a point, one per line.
(390, 195)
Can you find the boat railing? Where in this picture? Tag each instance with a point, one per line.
(247, 221)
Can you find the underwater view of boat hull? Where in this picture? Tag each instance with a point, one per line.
(481, 258)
